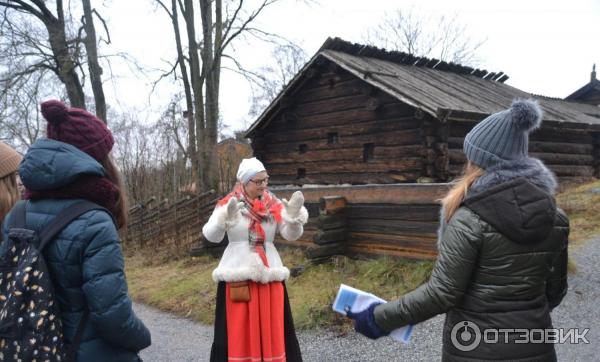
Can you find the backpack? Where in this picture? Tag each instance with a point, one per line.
(30, 323)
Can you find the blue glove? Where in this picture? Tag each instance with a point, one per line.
(364, 322)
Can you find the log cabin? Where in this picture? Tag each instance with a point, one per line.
(356, 114)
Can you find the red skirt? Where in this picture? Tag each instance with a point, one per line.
(255, 329)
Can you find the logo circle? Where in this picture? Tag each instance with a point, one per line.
(469, 332)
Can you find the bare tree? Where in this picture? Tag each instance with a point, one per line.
(36, 39)
(222, 23)
(442, 37)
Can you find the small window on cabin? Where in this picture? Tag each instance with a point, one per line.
(301, 173)
(302, 148)
(332, 138)
(368, 152)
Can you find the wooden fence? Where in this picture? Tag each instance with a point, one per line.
(169, 227)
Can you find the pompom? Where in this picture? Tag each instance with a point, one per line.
(54, 111)
(526, 114)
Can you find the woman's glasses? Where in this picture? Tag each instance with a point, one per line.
(263, 181)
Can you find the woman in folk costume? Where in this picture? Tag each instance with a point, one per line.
(253, 317)
(502, 251)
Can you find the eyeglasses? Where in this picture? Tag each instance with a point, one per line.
(264, 181)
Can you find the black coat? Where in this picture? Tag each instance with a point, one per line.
(502, 263)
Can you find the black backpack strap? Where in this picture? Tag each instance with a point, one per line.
(72, 352)
(18, 215)
(63, 219)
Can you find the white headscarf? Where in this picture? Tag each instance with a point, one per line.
(249, 167)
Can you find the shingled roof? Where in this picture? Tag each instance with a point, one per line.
(433, 86)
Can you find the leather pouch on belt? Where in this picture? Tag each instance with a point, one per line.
(239, 291)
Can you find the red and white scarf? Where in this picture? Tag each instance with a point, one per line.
(266, 207)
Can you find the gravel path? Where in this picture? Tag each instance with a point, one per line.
(176, 339)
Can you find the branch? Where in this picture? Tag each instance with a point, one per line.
(235, 14)
(245, 24)
(165, 8)
(29, 70)
(23, 7)
(164, 75)
(103, 24)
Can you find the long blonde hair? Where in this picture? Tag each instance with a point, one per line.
(451, 202)
(9, 194)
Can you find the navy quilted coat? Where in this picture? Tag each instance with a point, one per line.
(85, 259)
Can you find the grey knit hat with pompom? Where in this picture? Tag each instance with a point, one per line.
(503, 136)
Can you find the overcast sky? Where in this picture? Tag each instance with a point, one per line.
(546, 46)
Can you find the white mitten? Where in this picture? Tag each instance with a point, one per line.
(229, 214)
(293, 210)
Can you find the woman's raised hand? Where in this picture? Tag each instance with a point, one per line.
(233, 211)
(293, 206)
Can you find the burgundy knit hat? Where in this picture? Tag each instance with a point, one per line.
(79, 128)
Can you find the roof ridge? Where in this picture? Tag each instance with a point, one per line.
(398, 57)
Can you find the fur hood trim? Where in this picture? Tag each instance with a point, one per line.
(529, 168)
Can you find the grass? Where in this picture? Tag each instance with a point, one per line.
(185, 287)
(583, 208)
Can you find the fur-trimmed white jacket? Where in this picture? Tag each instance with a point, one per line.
(240, 261)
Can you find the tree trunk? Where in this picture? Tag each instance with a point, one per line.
(197, 83)
(64, 62)
(209, 71)
(94, 66)
(192, 149)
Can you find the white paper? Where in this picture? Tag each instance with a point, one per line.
(358, 300)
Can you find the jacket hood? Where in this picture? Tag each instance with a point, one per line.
(516, 199)
(51, 164)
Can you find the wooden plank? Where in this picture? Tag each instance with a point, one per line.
(326, 250)
(340, 178)
(564, 158)
(342, 154)
(330, 205)
(408, 163)
(331, 105)
(538, 146)
(396, 243)
(456, 156)
(344, 88)
(347, 130)
(323, 237)
(391, 251)
(544, 134)
(332, 221)
(361, 194)
(381, 211)
(429, 239)
(392, 227)
(564, 170)
(392, 112)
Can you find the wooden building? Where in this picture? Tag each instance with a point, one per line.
(589, 93)
(361, 115)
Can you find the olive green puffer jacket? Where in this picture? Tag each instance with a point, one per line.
(502, 264)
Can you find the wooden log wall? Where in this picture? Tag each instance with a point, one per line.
(568, 152)
(171, 227)
(435, 145)
(596, 154)
(332, 235)
(338, 129)
(398, 219)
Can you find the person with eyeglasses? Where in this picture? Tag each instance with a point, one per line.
(253, 320)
